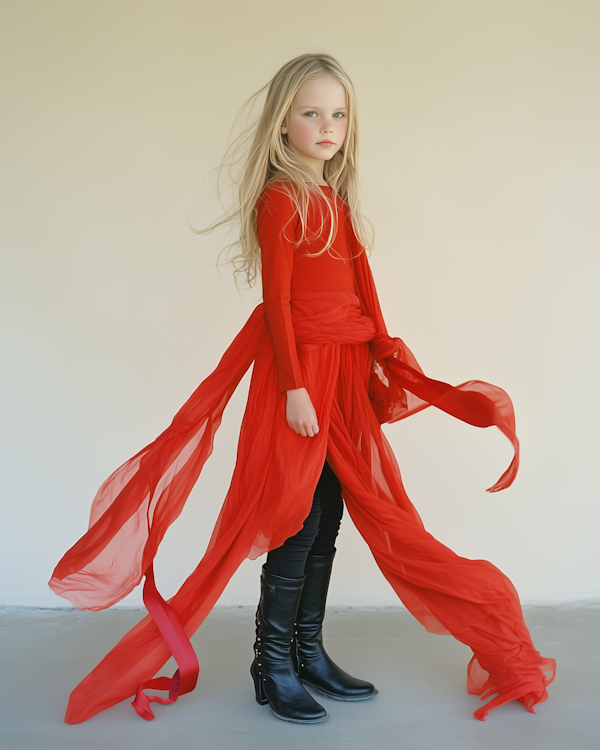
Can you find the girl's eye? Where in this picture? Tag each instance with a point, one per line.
(341, 114)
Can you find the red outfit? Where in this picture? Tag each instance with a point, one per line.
(321, 327)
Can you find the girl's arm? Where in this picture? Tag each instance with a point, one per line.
(276, 226)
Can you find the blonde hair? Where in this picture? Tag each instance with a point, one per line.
(265, 157)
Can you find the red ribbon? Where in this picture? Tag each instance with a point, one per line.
(185, 678)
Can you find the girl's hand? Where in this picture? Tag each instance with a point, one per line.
(300, 413)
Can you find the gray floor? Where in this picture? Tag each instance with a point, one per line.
(422, 702)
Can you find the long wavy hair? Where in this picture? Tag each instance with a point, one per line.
(261, 155)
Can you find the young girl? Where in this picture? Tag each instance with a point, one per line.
(325, 375)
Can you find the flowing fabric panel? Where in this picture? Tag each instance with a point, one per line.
(135, 506)
(470, 599)
(398, 386)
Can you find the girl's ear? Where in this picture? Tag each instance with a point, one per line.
(283, 127)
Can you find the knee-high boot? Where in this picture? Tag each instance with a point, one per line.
(275, 680)
(312, 663)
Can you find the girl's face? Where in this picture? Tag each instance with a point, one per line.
(317, 121)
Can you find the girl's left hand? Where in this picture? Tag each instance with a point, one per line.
(300, 413)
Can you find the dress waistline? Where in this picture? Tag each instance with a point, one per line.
(330, 317)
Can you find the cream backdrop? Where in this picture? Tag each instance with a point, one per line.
(480, 168)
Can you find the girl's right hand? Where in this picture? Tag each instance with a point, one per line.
(300, 413)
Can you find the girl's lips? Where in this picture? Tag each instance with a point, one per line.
(325, 143)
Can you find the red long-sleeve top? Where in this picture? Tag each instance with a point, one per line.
(287, 271)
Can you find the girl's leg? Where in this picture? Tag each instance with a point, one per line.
(288, 561)
(318, 535)
(312, 663)
(332, 509)
(282, 582)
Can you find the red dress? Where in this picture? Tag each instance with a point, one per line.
(320, 326)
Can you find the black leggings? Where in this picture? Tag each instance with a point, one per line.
(317, 536)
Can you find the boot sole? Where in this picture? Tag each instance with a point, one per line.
(345, 698)
(299, 721)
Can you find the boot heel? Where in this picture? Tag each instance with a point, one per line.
(261, 698)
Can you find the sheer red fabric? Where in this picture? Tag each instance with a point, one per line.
(357, 377)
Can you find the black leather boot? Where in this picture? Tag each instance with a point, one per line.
(272, 670)
(312, 663)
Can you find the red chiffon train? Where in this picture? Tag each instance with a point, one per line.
(357, 377)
